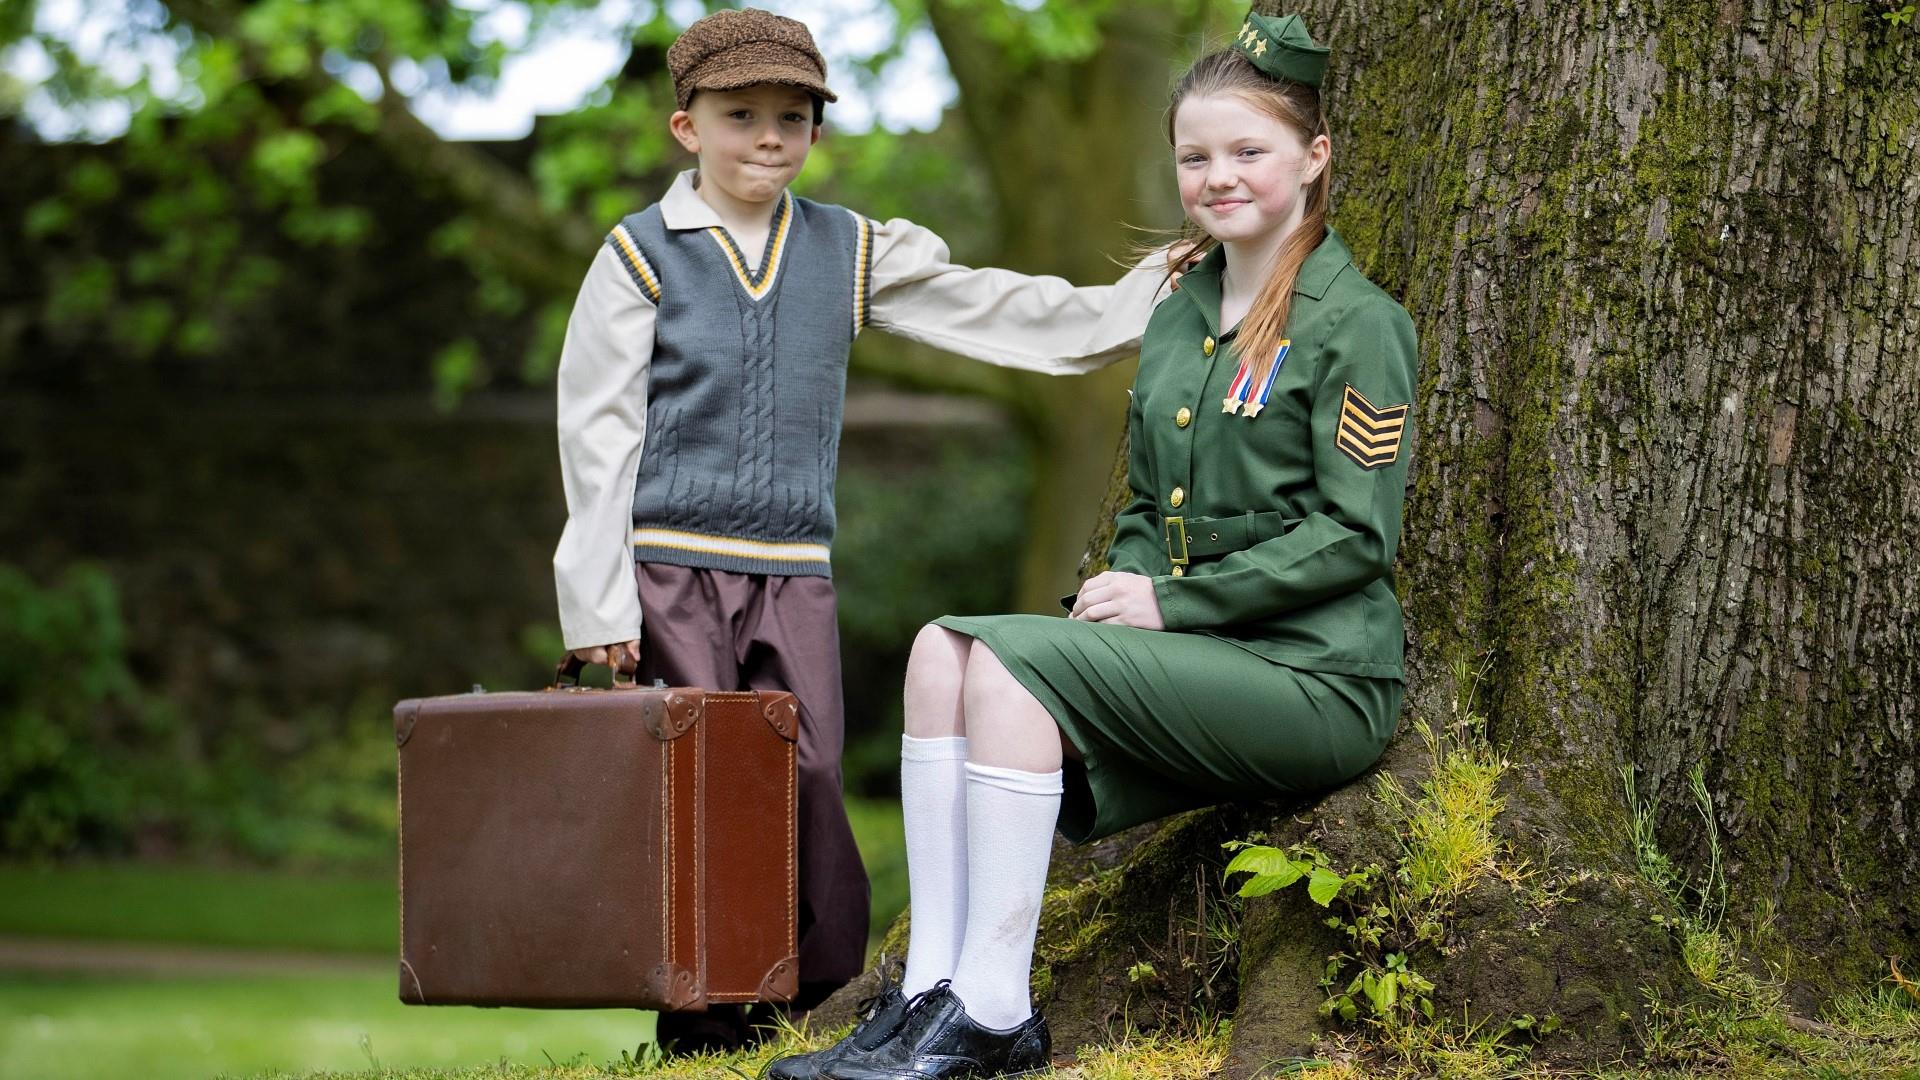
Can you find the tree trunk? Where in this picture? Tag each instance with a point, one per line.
(1664, 498)
(1661, 257)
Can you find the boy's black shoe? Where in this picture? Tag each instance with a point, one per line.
(722, 1028)
(939, 1041)
(880, 1017)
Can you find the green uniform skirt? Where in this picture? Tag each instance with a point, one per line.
(1171, 721)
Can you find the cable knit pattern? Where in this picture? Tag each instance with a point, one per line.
(747, 393)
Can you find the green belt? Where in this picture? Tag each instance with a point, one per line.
(1203, 538)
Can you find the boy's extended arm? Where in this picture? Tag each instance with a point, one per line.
(603, 425)
(1034, 322)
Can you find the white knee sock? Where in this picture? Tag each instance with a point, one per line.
(1010, 820)
(933, 803)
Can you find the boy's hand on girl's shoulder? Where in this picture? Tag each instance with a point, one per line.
(1181, 258)
(621, 655)
(1119, 598)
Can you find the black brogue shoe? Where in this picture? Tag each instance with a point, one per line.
(880, 1017)
(939, 1041)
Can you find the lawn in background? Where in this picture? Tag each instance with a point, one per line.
(87, 1027)
(157, 1028)
(192, 905)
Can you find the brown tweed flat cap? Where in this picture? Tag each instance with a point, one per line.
(731, 49)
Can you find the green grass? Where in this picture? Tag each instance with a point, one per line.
(190, 905)
(53, 1027)
(85, 1028)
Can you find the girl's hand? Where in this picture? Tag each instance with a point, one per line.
(620, 656)
(1121, 599)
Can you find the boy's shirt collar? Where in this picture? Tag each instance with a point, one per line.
(683, 208)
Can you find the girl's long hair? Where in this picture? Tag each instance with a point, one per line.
(1298, 106)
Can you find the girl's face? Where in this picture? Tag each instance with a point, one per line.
(1243, 174)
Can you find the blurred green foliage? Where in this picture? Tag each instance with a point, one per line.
(924, 532)
(920, 540)
(90, 763)
(68, 727)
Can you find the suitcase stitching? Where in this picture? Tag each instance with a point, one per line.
(792, 747)
(666, 857)
(700, 849)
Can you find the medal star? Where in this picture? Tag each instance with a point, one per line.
(1260, 47)
(1229, 405)
(1252, 409)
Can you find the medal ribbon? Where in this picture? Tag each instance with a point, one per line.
(1237, 390)
(1238, 393)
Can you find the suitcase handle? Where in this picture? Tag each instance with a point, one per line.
(567, 673)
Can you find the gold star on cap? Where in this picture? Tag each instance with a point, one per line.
(1260, 47)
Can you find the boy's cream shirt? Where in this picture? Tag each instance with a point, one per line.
(1043, 324)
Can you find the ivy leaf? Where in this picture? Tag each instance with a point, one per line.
(1324, 886)
(1270, 867)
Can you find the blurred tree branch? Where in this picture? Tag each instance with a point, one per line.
(514, 231)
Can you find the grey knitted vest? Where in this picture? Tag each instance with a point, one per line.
(748, 381)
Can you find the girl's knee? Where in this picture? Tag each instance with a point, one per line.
(986, 677)
(938, 651)
(936, 672)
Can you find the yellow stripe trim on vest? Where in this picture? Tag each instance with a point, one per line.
(776, 241)
(637, 264)
(739, 547)
(863, 254)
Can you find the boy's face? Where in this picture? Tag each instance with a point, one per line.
(752, 141)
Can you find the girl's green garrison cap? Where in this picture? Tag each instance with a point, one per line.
(1280, 46)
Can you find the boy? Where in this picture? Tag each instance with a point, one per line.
(725, 521)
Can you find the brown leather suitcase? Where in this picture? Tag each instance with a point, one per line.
(576, 847)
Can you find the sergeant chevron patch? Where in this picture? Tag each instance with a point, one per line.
(1369, 434)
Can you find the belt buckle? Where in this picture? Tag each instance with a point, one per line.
(1177, 527)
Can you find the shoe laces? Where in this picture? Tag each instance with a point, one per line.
(869, 1007)
(938, 989)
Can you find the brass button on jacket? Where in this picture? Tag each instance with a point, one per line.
(1207, 346)
(1183, 417)
(1179, 496)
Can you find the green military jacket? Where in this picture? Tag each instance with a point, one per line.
(1276, 531)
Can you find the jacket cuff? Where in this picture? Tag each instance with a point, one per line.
(1176, 607)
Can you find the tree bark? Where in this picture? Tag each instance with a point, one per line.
(1661, 257)
(1664, 498)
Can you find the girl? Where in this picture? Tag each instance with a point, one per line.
(1246, 642)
